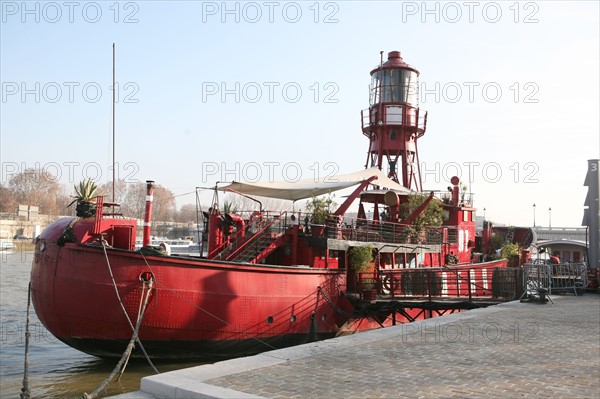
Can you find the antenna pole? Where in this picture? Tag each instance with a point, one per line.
(113, 126)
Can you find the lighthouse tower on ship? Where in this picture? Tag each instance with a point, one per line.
(393, 123)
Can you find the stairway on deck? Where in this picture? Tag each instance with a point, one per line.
(260, 245)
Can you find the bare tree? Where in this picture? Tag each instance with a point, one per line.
(63, 199)
(121, 190)
(8, 202)
(165, 208)
(187, 213)
(39, 188)
(132, 198)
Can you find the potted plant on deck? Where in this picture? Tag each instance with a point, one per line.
(85, 198)
(319, 210)
(360, 259)
(431, 217)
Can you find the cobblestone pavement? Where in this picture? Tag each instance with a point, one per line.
(513, 350)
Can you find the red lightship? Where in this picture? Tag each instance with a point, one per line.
(268, 279)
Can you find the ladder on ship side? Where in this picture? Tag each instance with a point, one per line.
(237, 243)
(261, 244)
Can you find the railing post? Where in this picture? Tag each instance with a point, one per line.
(518, 283)
(469, 283)
(98, 217)
(429, 284)
(457, 274)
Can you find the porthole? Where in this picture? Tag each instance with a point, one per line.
(270, 320)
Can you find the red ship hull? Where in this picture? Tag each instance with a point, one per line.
(198, 308)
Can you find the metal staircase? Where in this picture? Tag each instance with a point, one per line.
(251, 252)
(261, 244)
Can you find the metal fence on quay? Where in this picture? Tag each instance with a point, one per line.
(555, 278)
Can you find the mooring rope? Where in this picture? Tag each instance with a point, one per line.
(139, 317)
(120, 367)
(25, 392)
(123, 308)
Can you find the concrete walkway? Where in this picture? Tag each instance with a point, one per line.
(512, 350)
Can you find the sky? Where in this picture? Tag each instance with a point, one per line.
(221, 91)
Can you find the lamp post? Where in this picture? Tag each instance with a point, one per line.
(550, 218)
(534, 214)
(484, 214)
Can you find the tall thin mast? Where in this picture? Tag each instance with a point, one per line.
(113, 127)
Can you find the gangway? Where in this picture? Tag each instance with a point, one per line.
(409, 294)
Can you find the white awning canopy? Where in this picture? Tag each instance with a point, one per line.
(307, 188)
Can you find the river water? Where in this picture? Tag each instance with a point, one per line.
(55, 369)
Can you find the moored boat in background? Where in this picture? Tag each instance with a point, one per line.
(175, 246)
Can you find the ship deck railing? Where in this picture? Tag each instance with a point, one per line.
(347, 230)
(465, 199)
(393, 114)
(358, 229)
(365, 230)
